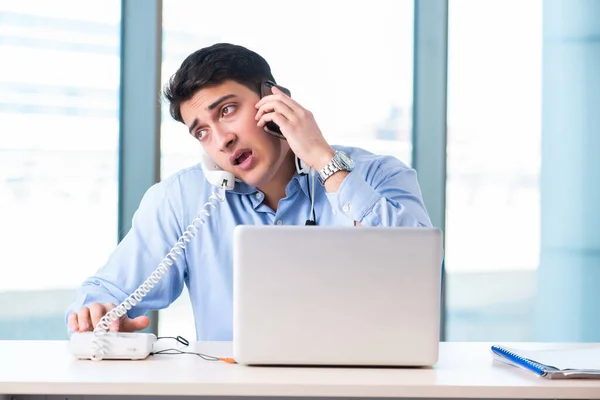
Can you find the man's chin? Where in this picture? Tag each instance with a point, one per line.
(251, 179)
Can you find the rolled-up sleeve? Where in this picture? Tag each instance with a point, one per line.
(385, 193)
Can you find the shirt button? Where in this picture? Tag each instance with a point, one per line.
(258, 195)
(346, 208)
(279, 222)
(334, 211)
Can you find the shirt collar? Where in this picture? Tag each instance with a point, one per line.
(297, 181)
(304, 181)
(243, 188)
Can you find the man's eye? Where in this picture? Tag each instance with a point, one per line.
(200, 134)
(227, 110)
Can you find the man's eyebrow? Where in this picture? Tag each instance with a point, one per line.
(219, 101)
(211, 107)
(193, 125)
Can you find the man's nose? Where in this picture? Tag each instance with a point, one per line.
(227, 140)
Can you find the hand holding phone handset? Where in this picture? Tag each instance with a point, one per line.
(265, 90)
(273, 129)
(100, 343)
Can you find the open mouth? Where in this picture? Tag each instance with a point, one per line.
(241, 158)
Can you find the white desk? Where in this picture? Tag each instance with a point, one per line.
(465, 370)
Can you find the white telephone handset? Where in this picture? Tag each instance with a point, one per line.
(102, 344)
(214, 174)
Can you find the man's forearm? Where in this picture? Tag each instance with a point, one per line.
(332, 184)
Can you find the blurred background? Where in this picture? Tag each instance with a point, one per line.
(509, 175)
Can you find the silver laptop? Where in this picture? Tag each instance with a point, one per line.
(356, 296)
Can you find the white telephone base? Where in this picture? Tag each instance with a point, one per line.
(116, 345)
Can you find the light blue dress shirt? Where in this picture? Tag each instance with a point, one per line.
(381, 191)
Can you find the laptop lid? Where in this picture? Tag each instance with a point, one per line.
(308, 295)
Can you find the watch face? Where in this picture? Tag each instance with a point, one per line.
(347, 161)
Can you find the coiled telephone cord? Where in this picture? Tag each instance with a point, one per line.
(99, 345)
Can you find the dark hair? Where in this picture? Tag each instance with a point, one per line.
(211, 66)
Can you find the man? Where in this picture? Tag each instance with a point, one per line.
(216, 94)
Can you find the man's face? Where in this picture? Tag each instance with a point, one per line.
(222, 119)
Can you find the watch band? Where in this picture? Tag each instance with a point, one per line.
(329, 170)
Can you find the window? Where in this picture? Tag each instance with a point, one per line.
(59, 80)
(354, 73)
(494, 134)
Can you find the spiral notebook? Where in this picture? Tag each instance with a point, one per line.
(579, 363)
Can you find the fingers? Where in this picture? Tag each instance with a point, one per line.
(135, 324)
(284, 123)
(96, 313)
(114, 326)
(278, 95)
(87, 318)
(83, 316)
(278, 107)
(73, 323)
(276, 91)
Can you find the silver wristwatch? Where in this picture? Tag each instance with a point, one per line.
(340, 162)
